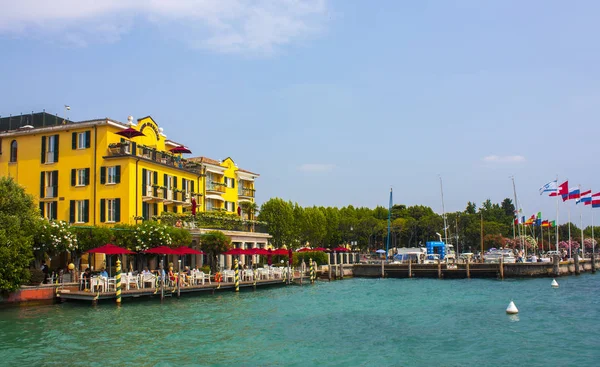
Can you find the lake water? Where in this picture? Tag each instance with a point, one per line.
(354, 322)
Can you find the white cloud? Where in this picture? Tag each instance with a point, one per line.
(504, 158)
(316, 167)
(255, 26)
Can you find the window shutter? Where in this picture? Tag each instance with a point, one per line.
(174, 182)
(183, 184)
(117, 210)
(166, 178)
(155, 209)
(73, 177)
(74, 141)
(118, 174)
(43, 149)
(55, 181)
(42, 185)
(72, 211)
(42, 209)
(155, 177)
(102, 210)
(87, 176)
(143, 182)
(86, 211)
(154, 155)
(102, 175)
(87, 138)
(56, 148)
(192, 186)
(133, 148)
(165, 209)
(54, 206)
(145, 210)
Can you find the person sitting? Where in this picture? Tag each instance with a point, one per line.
(172, 276)
(87, 275)
(146, 271)
(534, 258)
(103, 273)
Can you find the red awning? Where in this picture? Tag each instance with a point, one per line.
(184, 250)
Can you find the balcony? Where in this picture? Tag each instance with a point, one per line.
(153, 194)
(246, 192)
(127, 148)
(215, 187)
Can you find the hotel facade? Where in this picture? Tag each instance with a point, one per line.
(96, 172)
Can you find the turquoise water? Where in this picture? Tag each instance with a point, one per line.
(354, 322)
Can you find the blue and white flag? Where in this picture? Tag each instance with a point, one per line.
(551, 187)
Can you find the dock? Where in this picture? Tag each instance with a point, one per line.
(74, 294)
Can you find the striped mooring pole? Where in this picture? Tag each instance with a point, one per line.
(237, 276)
(312, 271)
(284, 275)
(118, 281)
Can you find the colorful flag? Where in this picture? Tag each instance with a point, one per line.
(545, 224)
(539, 215)
(596, 200)
(563, 189)
(585, 198)
(553, 223)
(573, 194)
(551, 187)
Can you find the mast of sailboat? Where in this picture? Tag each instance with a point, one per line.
(444, 213)
(387, 240)
(517, 209)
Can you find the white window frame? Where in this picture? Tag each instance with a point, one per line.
(111, 175)
(81, 140)
(80, 177)
(111, 211)
(50, 147)
(79, 211)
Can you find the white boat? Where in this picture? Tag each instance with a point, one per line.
(493, 257)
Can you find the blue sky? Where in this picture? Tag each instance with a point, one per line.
(332, 102)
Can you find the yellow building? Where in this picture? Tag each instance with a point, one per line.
(86, 173)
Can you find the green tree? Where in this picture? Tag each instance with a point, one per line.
(213, 243)
(471, 208)
(87, 239)
(19, 219)
(279, 215)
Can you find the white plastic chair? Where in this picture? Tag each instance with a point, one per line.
(147, 278)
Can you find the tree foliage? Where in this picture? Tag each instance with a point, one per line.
(213, 243)
(19, 220)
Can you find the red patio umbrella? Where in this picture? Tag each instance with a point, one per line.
(322, 249)
(260, 251)
(305, 249)
(110, 249)
(161, 250)
(184, 250)
(236, 251)
(281, 251)
(180, 149)
(340, 249)
(130, 133)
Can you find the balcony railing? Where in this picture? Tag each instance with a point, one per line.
(246, 191)
(215, 186)
(153, 191)
(130, 148)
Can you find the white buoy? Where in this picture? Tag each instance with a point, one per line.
(512, 309)
(554, 283)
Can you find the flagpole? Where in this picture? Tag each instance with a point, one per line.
(569, 217)
(387, 240)
(593, 238)
(581, 223)
(541, 237)
(556, 224)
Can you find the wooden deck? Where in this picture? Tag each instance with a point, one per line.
(66, 294)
